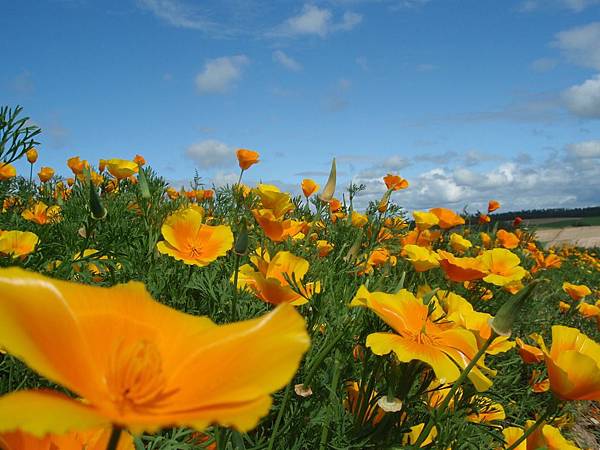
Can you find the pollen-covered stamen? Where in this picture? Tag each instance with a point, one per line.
(135, 376)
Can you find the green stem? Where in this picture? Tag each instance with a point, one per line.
(319, 357)
(549, 411)
(115, 435)
(334, 383)
(30, 173)
(234, 305)
(286, 399)
(459, 381)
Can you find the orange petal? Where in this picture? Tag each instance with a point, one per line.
(42, 412)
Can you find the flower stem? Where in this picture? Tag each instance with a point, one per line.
(284, 402)
(459, 381)
(334, 382)
(551, 409)
(234, 298)
(115, 435)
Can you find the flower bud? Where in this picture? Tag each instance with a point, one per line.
(329, 189)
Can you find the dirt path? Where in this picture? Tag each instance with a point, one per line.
(580, 236)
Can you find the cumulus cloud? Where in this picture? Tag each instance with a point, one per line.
(220, 74)
(286, 61)
(566, 179)
(584, 99)
(580, 45)
(316, 21)
(210, 154)
(585, 150)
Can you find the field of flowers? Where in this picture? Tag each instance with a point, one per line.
(137, 315)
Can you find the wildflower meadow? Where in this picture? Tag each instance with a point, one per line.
(135, 314)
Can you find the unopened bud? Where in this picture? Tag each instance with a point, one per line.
(241, 241)
(329, 189)
(509, 312)
(143, 183)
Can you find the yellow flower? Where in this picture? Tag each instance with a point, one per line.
(486, 410)
(359, 220)
(187, 239)
(7, 171)
(576, 291)
(549, 438)
(135, 362)
(76, 164)
(502, 265)
(422, 258)
(324, 248)
(459, 243)
(414, 433)
(32, 155)
(42, 214)
(417, 336)
(425, 220)
(17, 243)
(275, 200)
(573, 365)
(121, 168)
(268, 278)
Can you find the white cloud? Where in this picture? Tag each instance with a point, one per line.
(572, 5)
(584, 99)
(177, 14)
(220, 74)
(543, 64)
(581, 45)
(211, 153)
(566, 179)
(286, 61)
(585, 150)
(314, 20)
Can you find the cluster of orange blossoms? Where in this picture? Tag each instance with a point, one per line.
(133, 363)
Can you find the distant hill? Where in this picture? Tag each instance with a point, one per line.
(592, 211)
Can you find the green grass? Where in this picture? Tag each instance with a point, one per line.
(563, 223)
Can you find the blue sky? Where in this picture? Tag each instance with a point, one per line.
(467, 99)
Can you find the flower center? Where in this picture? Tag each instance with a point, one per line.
(135, 376)
(194, 249)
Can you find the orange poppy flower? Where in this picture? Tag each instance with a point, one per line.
(358, 220)
(157, 367)
(121, 168)
(493, 205)
(486, 410)
(395, 182)
(576, 291)
(246, 158)
(549, 438)
(275, 200)
(507, 239)
(17, 244)
(88, 440)
(172, 193)
(334, 205)
(32, 155)
(446, 218)
(573, 365)
(424, 238)
(268, 278)
(45, 174)
(187, 239)
(529, 354)
(417, 336)
(461, 269)
(484, 218)
(7, 171)
(324, 248)
(42, 214)
(276, 229)
(139, 160)
(355, 403)
(309, 187)
(76, 164)
(552, 261)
